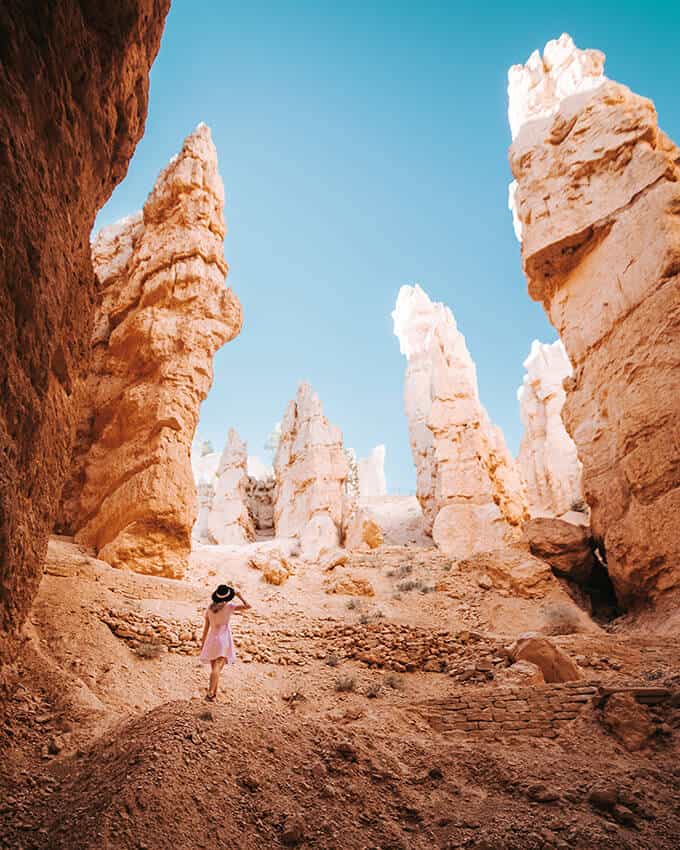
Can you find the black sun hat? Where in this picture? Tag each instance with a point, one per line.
(224, 593)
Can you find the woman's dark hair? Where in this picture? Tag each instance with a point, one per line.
(224, 593)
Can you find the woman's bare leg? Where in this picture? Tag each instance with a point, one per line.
(216, 669)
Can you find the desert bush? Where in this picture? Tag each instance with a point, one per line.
(373, 691)
(332, 660)
(400, 572)
(427, 588)
(560, 619)
(149, 650)
(352, 604)
(409, 584)
(393, 681)
(345, 684)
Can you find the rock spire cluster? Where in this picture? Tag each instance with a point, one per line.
(229, 522)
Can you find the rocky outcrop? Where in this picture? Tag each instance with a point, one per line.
(472, 486)
(162, 313)
(311, 469)
(361, 530)
(204, 463)
(74, 89)
(547, 458)
(598, 206)
(554, 663)
(371, 474)
(229, 522)
(566, 547)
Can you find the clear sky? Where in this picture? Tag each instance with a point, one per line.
(363, 145)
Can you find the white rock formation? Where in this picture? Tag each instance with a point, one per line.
(371, 471)
(536, 88)
(311, 469)
(547, 459)
(415, 318)
(474, 492)
(229, 522)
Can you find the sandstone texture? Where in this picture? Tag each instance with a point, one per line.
(598, 205)
(311, 470)
(371, 474)
(469, 484)
(566, 547)
(547, 458)
(361, 530)
(628, 720)
(162, 313)
(260, 500)
(74, 89)
(229, 522)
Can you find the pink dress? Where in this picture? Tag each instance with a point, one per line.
(219, 643)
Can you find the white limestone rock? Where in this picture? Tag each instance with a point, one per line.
(547, 458)
(229, 522)
(469, 485)
(311, 469)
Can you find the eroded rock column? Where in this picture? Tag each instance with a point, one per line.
(311, 469)
(74, 89)
(476, 496)
(371, 474)
(229, 522)
(597, 204)
(547, 458)
(163, 312)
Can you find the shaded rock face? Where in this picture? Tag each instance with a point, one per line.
(472, 490)
(229, 522)
(566, 547)
(74, 88)
(311, 470)
(547, 459)
(598, 207)
(260, 500)
(163, 311)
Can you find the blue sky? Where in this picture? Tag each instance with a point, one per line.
(363, 145)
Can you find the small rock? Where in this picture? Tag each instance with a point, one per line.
(603, 797)
(485, 582)
(623, 815)
(293, 832)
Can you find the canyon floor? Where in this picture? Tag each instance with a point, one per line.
(349, 722)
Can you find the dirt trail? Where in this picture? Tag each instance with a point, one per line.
(350, 722)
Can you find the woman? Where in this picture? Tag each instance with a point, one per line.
(217, 644)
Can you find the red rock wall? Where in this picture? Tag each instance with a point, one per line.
(73, 95)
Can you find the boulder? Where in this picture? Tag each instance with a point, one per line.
(564, 546)
(361, 530)
(555, 664)
(273, 564)
(520, 673)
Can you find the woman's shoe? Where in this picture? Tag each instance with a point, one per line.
(211, 697)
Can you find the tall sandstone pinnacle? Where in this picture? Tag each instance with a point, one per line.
(229, 522)
(597, 207)
(473, 489)
(163, 312)
(547, 458)
(311, 470)
(74, 88)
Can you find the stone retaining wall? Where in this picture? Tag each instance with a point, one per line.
(540, 711)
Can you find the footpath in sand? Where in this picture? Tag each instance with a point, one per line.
(351, 721)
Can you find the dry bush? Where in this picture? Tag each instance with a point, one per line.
(345, 684)
(352, 604)
(560, 619)
(401, 572)
(392, 680)
(410, 584)
(149, 650)
(332, 660)
(373, 691)
(427, 588)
